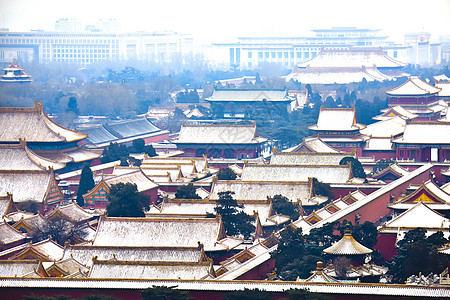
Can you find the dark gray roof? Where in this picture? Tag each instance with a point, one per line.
(130, 128)
(98, 134)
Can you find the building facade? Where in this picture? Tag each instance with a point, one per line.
(88, 47)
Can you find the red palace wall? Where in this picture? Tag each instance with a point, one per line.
(260, 272)
(377, 208)
(386, 245)
(379, 155)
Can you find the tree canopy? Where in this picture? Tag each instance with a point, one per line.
(235, 220)
(226, 174)
(284, 206)
(357, 168)
(322, 189)
(164, 293)
(86, 183)
(186, 192)
(126, 201)
(418, 253)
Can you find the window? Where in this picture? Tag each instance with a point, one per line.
(267, 54)
(286, 54)
(299, 55)
(273, 54)
(250, 54)
(395, 54)
(306, 54)
(260, 55)
(292, 54)
(279, 54)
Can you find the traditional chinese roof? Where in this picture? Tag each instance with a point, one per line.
(327, 174)
(194, 112)
(445, 249)
(336, 75)
(85, 253)
(262, 208)
(261, 190)
(355, 205)
(33, 125)
(46, 250)
(351, 58)
(26, 185)
(65, 267)
(425, 133)
(9, 235)
(137, 177)
(31, 223)
(395, 111)
(13, 73)
(20, 157)
(414, 87)
(71, 212)
(161, 232)
(319, 275)
(211, 133)
(98, 134)
(393, 169)
(359, 271)
(312, 144)
(7, 205)
(347, 246)
(248, 95)
(246, 260)
(378, 144)
(336, 119)
(420, 215)
(150, 269)
(385, 128)
(307, 158)
(21, 268)
(428, 193)
(131, 128)
(445, 88)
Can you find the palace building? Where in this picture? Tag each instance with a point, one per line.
(13, 73)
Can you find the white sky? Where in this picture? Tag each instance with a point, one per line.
(221, 21)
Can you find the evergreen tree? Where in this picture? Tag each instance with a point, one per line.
(126, 201)
(235, 220)
(72, 105)
(322, 189)
(248, 294)
(164, 293)
(417, 253)
(226, 174)
(357, 168)
(86, 183)
(187, 192)
(284, 206)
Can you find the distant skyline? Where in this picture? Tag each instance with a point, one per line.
(214, 21)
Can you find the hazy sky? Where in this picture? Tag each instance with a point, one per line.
(221, 21)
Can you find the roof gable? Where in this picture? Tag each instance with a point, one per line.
(33, 125)
(420, 215)
(336, 119)
(414, 86)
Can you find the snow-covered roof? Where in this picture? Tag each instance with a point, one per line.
(396, 111)
(347, 246)
(218, 134)
(385, 128)
(150, 269)
(429, 193)
(236, 95)
(85, 253)
(420, 215)
(161, 232)
(327, 174)
(307, 158)
(378, 144)
(72, 212)
(46, 250)
(33, 125)
(9, 235)
(260, 190)
(312, 144)
(336, 119)
(351, 58)
(414, 86)
(425, 133)
(20, 157)
(445, 89)
(137, 177)
(26, 185)
(19, 268)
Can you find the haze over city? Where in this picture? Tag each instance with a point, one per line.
(222, 21)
